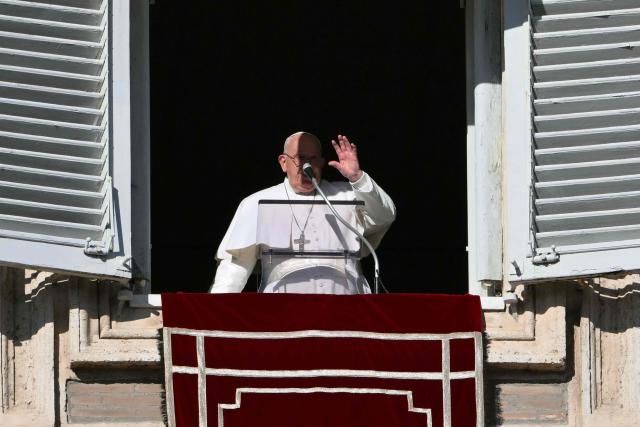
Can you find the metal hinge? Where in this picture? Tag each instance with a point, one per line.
(546, 258)
(99, 247)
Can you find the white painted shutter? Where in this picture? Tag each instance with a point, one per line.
(585, 132)
(57, 209)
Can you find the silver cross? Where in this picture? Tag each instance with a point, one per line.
(301, 242)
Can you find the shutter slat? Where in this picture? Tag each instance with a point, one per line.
(49, 62)
(48, 238)
(591, 36)
(51, 178)
(587, 70)
(586, 87)
(52, 195)
(580, 104)
(49, 227)
(26, 208)
(58, 29)
(56, 112)
(589, 186)
(572, 138)
(57, 79)
(52, 128)
(603, 52)
(587, 153)
(58, 46)
(586, 220)
(550, 7)
(597, 169)
(587, 120)
(582, 21)
(81, 4)
(617, 235)
(50, 12)
(563, 205)
(53, 162)
(44, 144)
(52, 95)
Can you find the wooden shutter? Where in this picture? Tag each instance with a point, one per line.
(584, 167)
(57, 206)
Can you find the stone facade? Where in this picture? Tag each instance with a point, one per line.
(566, 355)
(113, 402)
(73, 353)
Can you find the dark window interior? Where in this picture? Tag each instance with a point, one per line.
(231, 79)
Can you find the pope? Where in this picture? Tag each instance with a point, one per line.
(240, 250)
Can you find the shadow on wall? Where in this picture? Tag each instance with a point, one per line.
(613, 305)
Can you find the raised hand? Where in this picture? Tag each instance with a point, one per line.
(347, 163)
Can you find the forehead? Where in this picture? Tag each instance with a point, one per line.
(305, 144)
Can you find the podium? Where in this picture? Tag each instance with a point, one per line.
(323, 360)
(296, 236)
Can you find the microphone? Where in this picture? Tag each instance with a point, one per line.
(308, 171)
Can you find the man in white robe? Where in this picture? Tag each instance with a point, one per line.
(240, 250)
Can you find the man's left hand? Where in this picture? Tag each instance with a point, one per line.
(347, 163)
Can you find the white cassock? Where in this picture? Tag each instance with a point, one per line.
(239, 250)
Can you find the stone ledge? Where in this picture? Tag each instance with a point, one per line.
(104, 334)
(101, 356)
(534, 336)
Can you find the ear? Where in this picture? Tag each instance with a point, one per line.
(282, 159)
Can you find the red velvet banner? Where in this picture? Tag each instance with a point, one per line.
(323, 360)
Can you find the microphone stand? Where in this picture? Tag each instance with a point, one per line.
(308, 171)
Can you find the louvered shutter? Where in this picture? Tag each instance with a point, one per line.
(58, 153)
(583, 206)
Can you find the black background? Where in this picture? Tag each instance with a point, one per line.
(231, 79)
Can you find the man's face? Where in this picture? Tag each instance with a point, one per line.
(301, 149)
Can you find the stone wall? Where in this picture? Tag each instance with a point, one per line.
(539, 401)
(73, 353)
(113, 402)
(568, 354)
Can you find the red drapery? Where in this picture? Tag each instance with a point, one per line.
(323, 360)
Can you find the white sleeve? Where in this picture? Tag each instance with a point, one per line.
(379, 211)
(233, 272)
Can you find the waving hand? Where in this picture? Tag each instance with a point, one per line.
(347, 163)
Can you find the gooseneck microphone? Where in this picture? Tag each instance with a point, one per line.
(308, 171)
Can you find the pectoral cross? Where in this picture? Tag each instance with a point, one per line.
(301, 242)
